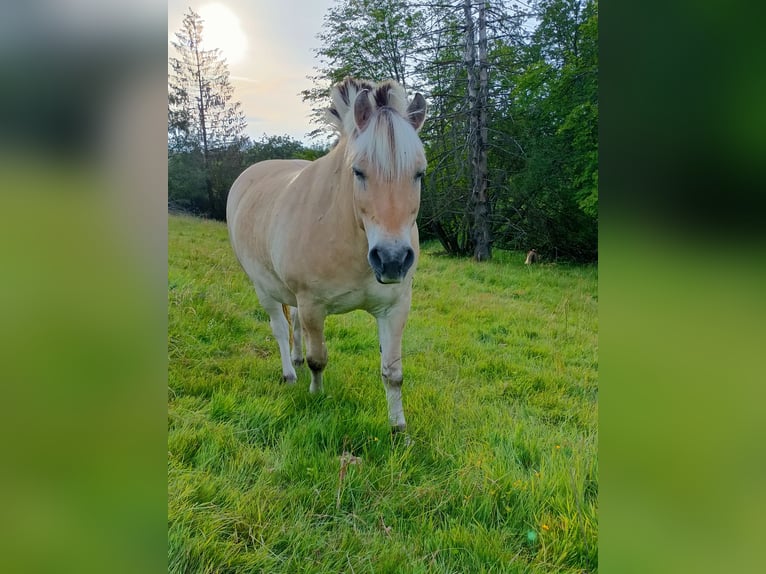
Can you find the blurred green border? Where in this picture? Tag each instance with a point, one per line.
(681, 288)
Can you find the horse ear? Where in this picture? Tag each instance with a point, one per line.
(417, 111)
(362, 110)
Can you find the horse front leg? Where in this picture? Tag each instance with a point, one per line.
(390, 329)
(311, 318)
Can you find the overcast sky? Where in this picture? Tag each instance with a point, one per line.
(281, 39)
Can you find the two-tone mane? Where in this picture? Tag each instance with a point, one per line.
(339, 233)
(390, 142)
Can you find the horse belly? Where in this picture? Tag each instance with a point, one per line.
(269, 284)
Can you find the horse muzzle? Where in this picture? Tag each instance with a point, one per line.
(391, 263)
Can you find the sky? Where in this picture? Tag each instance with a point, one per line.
(277, 39)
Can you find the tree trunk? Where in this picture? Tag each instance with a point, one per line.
(203, 124)
(447, 240)
(481, 232)
(473, 119)
(479, 235)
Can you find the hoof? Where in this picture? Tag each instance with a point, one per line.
(298, 362)
(289, 379)
(316, 389)
(400, 436)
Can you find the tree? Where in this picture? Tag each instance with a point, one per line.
(511, 138)
(446, 189)
(552, 198)
(369, 39)
(187, 190)
(203, 120)
(478, 103)
(463, 43)
(280, 147)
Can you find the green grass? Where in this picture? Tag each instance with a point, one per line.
(500, 366)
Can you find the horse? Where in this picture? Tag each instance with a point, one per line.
(339, 233)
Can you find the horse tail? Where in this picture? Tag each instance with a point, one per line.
(286, 311)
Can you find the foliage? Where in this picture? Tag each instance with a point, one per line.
(187, 190)
(500, 366)
(552, 199)
(446, 192)
(280, 147)
(542, 113)
(206, 147)
(205, 126)
(201, 113)
(187, 172)
(369, 39)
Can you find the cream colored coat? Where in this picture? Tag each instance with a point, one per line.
(339, 233)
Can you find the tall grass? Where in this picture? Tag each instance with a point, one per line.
(501, 475)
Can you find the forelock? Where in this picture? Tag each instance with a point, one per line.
(389, 145)
(389, 142)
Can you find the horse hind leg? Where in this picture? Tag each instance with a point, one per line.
(281, 330)
(311, 319)
(297, 351)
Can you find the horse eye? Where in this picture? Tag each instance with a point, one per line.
(359, 174)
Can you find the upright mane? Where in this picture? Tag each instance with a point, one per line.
(389, 142)
(340, 233)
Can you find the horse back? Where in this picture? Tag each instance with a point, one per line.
(261, 184)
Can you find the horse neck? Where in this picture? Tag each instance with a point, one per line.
(336, 157)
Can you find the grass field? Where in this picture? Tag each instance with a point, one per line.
(500, 394)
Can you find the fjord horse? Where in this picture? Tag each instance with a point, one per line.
(338, 233)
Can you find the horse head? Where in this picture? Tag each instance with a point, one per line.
(386, 161)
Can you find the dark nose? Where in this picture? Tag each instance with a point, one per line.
(391, 264)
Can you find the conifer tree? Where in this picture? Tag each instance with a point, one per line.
(204, 122)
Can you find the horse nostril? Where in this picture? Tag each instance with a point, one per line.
(375, 260)
(409, 259)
